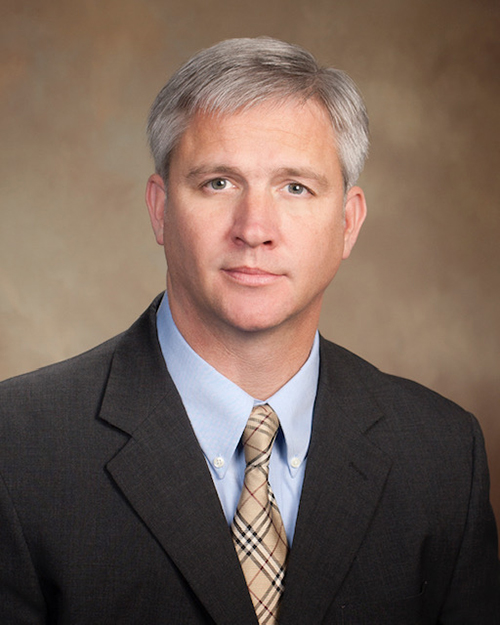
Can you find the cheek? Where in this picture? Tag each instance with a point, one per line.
(189, 245)
(325, 239)
(322, 252)
(176, 236)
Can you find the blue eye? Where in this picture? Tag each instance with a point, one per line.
(296, 189)
(218, 183)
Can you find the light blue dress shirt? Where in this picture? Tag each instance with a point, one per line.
(219, 409)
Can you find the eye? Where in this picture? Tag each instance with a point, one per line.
(295, 188)
(218, 184)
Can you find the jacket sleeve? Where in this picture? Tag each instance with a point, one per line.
(21, 598)
(474, 592)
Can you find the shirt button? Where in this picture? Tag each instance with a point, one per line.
(219, 462)
(295, 462)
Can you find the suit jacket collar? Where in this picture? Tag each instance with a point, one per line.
(344, 480)
(163, 474)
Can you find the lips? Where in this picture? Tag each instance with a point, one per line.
(251, 276)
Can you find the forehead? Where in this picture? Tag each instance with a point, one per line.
(297, 108)
(271, 130)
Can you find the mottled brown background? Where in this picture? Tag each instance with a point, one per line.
(420, 297)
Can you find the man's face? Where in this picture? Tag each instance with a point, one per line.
(253, 226)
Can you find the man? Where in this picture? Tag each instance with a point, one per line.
(127, 492)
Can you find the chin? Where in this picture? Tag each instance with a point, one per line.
(255, 322)
(256, 314)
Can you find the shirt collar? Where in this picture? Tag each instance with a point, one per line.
(219, 409)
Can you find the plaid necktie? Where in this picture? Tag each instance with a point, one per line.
(257, 529)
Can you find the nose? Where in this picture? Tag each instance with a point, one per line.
(256, 220)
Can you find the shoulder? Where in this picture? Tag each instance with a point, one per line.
(41, 410)
(407, 406)
(70, 376)
(76, 383)
(422, 433)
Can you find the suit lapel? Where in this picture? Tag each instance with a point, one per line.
(163, 474)
(344, 480)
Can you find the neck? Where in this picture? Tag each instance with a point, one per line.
(258, 362)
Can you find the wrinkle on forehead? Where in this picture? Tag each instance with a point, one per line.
(274, 137)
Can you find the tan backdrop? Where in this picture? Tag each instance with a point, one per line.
(420, 296)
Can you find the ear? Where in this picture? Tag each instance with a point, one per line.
(354, 216)
(155, 199)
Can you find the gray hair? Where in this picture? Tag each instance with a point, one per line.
(236, 74)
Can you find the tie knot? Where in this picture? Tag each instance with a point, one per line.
(259, 434)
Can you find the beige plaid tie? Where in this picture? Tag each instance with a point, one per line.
(257, 529)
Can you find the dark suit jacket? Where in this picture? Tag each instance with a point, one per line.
(108, 512)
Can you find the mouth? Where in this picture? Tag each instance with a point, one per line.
(251, 276)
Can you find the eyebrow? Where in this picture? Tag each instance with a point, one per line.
(203, 170)
(304, 172)
(283, 172)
